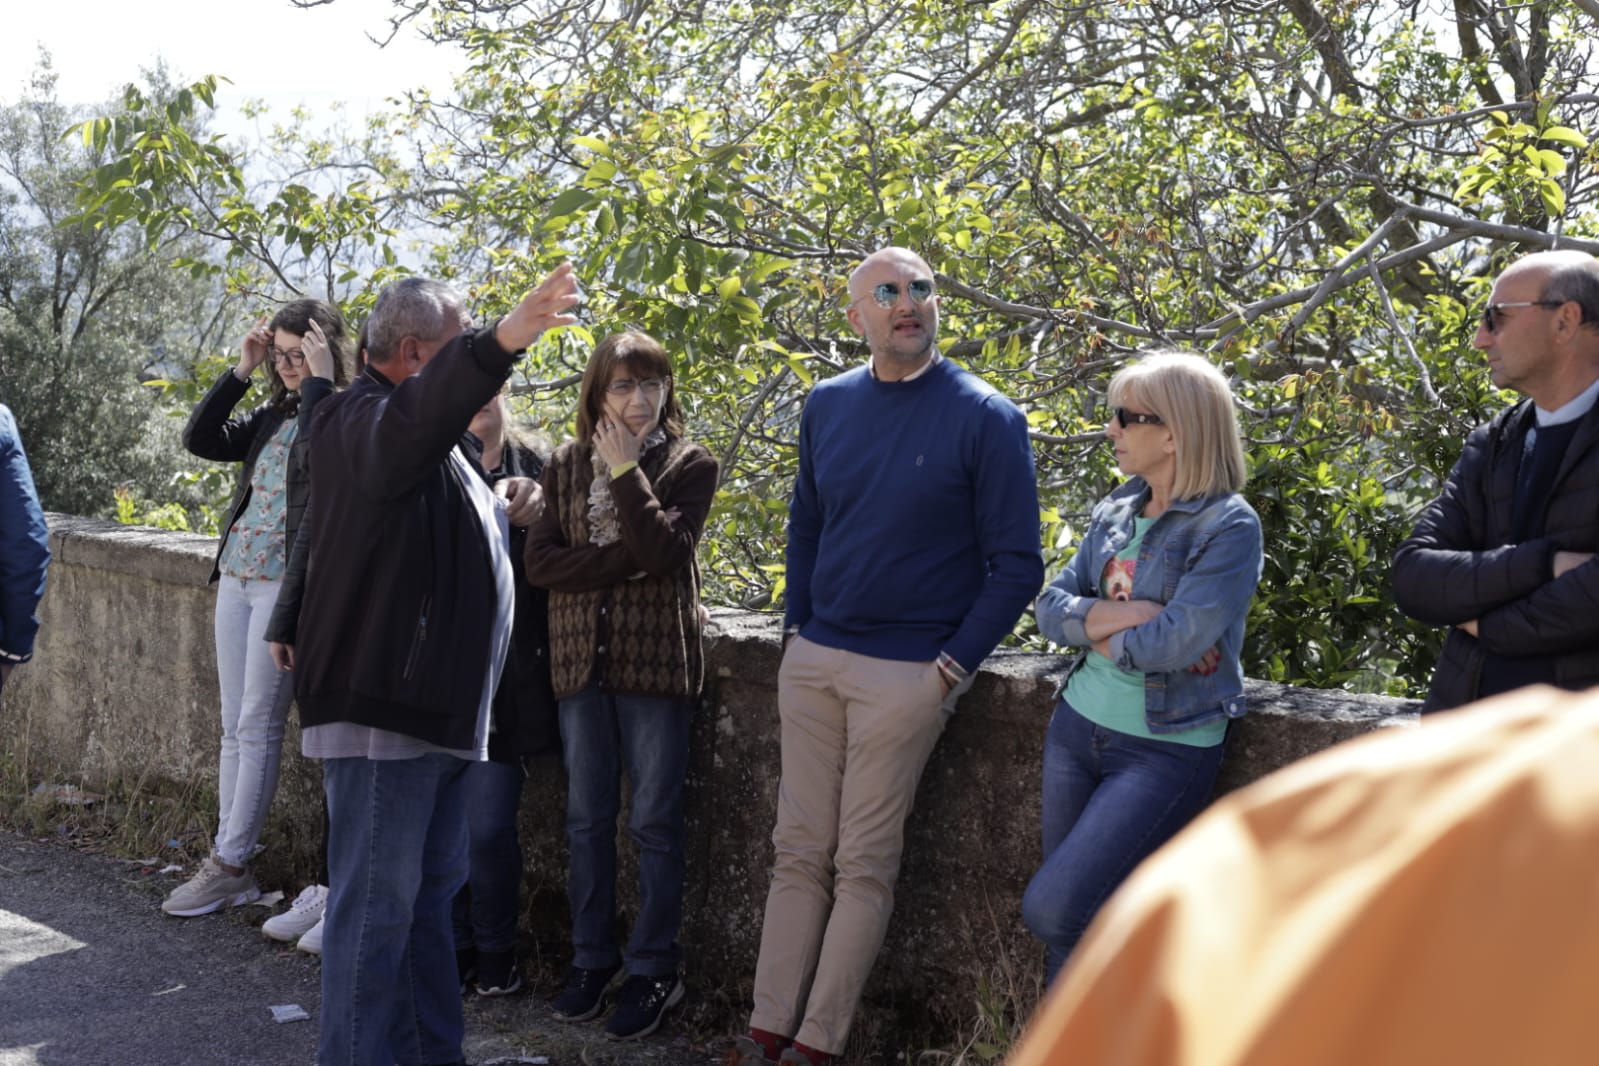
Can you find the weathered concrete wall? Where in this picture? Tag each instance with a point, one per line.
(123, 688)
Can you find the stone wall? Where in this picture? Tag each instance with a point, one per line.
(122, 693)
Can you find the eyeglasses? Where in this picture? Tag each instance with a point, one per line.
(887, 294)
(280, 356)
(1492, 319)
(1123, 418)
(626, 386)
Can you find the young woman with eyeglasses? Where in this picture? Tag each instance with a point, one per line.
(305, 350)
(1157, 594)
(626, 503)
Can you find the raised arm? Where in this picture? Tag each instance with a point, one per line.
(424, 416)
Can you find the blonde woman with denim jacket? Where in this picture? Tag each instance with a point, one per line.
(1157, 596)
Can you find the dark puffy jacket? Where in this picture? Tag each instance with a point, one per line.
(1459, 564)
(211, 433)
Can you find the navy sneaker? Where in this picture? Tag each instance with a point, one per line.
(585, 992)
(641, 1004)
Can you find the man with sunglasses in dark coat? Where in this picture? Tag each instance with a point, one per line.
(912, 549)
(1504, 555)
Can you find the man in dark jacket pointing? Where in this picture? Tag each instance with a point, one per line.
(402, 629)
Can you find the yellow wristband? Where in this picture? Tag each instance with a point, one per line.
(618, 471)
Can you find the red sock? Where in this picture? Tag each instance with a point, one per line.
(772, 1044)
(818, 1058)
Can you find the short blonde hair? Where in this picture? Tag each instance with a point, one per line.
(1195, 403)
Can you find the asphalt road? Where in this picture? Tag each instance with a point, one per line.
(93, 974)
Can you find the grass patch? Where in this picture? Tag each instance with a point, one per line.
(127, 815)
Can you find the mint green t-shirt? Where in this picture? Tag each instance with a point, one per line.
(1109, 696)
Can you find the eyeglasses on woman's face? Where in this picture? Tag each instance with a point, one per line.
(285, 356)
(623, 387)
(1124, 418)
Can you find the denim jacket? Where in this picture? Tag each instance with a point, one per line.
(1202, 559)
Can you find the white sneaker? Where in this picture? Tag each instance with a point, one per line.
(311, 942)
(303, 913)
(212, 888)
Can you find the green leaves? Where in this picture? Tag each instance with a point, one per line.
(566, 205)
(1563, 135)
(1514, 166)
(1312, 196)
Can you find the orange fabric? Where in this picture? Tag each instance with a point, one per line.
(1419, 896)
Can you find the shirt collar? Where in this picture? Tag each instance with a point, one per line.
(938, 357)
(1581, 405)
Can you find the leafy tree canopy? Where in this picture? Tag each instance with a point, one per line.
(87, 312)
(1314, 193)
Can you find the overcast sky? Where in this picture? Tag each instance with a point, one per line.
(270, 50)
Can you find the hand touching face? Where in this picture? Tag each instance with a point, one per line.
(631, 410)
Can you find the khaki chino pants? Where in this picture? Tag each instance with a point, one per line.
(857, 732)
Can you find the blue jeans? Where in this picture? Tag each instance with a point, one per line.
(396, 858)
(1110, 800)
(600, 734)
(485, 910)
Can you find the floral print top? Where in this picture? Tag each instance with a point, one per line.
(257, 547)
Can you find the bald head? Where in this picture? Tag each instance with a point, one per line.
(893, 305)
(1540, 330)
(1565, 276)
(902, 258)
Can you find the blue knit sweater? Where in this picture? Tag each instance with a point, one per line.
(914, 523)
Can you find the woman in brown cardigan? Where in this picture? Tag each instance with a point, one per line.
(626, 503)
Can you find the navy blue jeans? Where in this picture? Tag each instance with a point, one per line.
(1110, 800)
(600, 736)
(486, 909)
(397, 857)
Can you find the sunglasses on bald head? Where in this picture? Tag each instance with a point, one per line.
(887, 294)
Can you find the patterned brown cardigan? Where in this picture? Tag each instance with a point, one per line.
(630, 634)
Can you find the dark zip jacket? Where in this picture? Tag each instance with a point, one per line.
(389, 600)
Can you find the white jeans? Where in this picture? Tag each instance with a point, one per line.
(255, 706)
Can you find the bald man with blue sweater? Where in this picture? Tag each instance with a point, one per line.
(912, 549)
